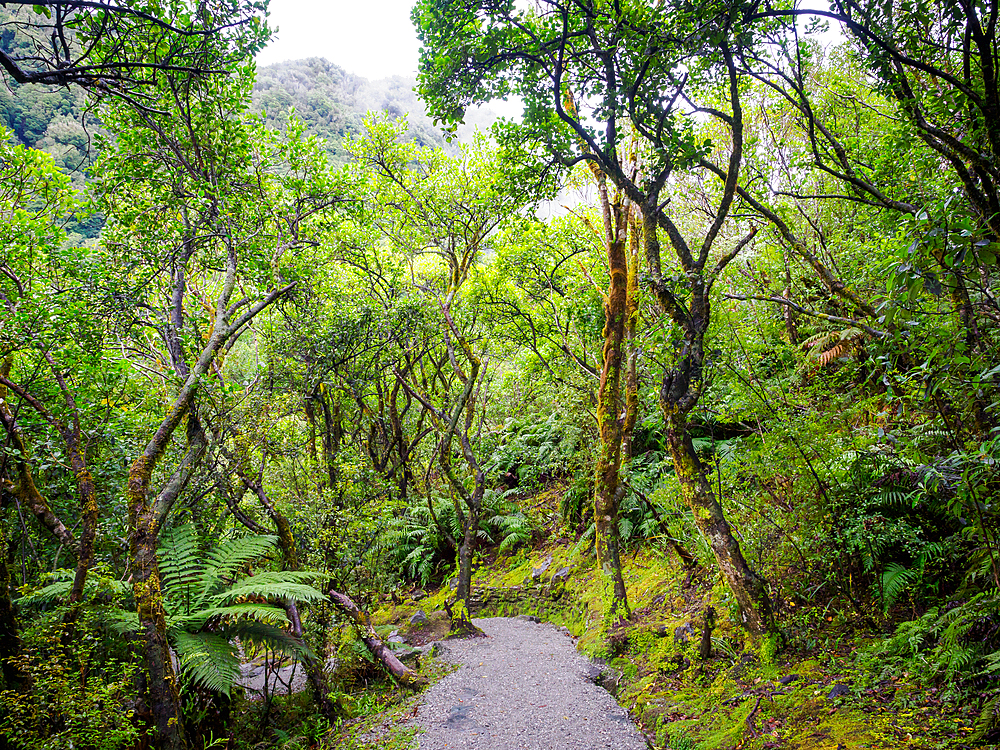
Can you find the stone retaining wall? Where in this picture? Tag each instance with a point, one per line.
(547, 601)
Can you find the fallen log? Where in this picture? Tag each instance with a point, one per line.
(374, 642)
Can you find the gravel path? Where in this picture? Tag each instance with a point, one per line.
(524, 686)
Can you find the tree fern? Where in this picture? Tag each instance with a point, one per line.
(211, 604)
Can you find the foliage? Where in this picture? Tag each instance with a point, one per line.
(420, 542)
(532, 450)
(80, 697)
(214, 607)
(956, 645)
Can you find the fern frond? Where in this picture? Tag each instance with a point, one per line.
(180, 564)
(225, 561)
(207, 659)
(256, 636)
(260, 612)
(270, 585)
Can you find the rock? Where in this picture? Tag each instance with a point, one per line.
(418, 595)
(609, 681)
(562, 574)
(410, 656)
(839, 690)
(437, 649)
(419, 618)
(661, 630)
(453, 583)
(536, 573)
(528, 618)
(788, 679)
(592, 673)
(682, 633)
(395, 639)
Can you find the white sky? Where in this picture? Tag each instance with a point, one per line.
(370, 38)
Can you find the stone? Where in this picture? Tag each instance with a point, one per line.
(682, 633)
(661, 630)
(788, 679)
(418, 595)
(410, 656)
(419, 618)
(592, 673)
(562, 574)
(437, 649)
(453, 583)
(536, 573)
(528, 618)
(839, 690)
(395, 639)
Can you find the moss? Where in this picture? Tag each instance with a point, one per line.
(768, 648)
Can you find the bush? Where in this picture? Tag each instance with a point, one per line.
(78, 693)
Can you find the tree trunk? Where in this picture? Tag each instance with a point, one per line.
(749, 588)
(89, 514)
(608, 490)
(9, 641)
(374, 643)
(162, 690)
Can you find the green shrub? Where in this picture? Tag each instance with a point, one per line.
(79, 693)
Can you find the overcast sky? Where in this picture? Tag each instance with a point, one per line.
(370, 38)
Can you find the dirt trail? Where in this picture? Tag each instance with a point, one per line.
(524, 686)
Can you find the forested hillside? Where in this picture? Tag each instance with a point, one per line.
(287, 401)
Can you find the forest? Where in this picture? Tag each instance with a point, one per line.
(696, 359)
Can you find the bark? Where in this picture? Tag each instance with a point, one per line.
(608, 490)
(632, 351)
(374, 643)
(749, 589)
(10, 643)
(162, 689)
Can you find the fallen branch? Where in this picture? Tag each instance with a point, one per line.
(374, 642)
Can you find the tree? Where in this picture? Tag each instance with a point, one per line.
(651, 69)
(40, 354)
(206, 226)
(121, 49)
(432, 206)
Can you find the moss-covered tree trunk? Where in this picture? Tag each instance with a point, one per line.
(162, 690)
(608, 489)
(89, 516)
(747, 586)
(9, 640)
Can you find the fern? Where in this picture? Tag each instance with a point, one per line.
(895, 580)
(97, 585)
(207, 659)
(210, 604)
(827, 346)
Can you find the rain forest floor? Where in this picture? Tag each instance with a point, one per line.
(515, 688)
